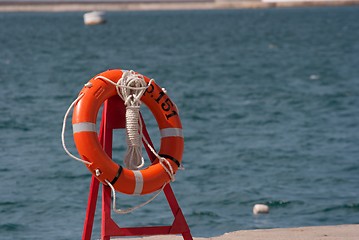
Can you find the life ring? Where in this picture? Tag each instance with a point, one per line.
(137, 182)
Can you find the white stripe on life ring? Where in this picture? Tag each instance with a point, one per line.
(171, 132)
(139, 182)
(84, 127)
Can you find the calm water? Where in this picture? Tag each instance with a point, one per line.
(268, 98)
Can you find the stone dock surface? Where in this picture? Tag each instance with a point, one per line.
(339, 232)
(139, 5)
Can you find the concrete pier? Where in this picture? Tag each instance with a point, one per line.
(340, 232)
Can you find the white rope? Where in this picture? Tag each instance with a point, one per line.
(128, 210)
(64, 129)
(130, 87)
(163, 161)
(133, 157)
(119, 85)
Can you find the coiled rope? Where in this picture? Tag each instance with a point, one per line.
(134, 87)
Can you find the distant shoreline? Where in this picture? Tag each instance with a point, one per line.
(65, 6)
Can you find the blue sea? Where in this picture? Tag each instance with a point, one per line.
(269, 101)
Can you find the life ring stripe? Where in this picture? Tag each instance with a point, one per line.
(171, 132)
(84, 127)
(139, 182)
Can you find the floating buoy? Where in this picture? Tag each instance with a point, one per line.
(93, 18)
(260, 209)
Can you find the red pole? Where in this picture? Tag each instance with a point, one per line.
(91, 208)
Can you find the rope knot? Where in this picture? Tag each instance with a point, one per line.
(133, 87)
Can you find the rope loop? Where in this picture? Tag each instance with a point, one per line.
(129, 210)
(64, 130)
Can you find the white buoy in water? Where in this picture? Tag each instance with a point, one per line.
(260, 209)
(93, 18)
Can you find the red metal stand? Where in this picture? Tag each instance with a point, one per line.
(113, 117)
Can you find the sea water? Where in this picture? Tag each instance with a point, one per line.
(268, 100)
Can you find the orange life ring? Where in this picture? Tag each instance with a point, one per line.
(127, 181)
